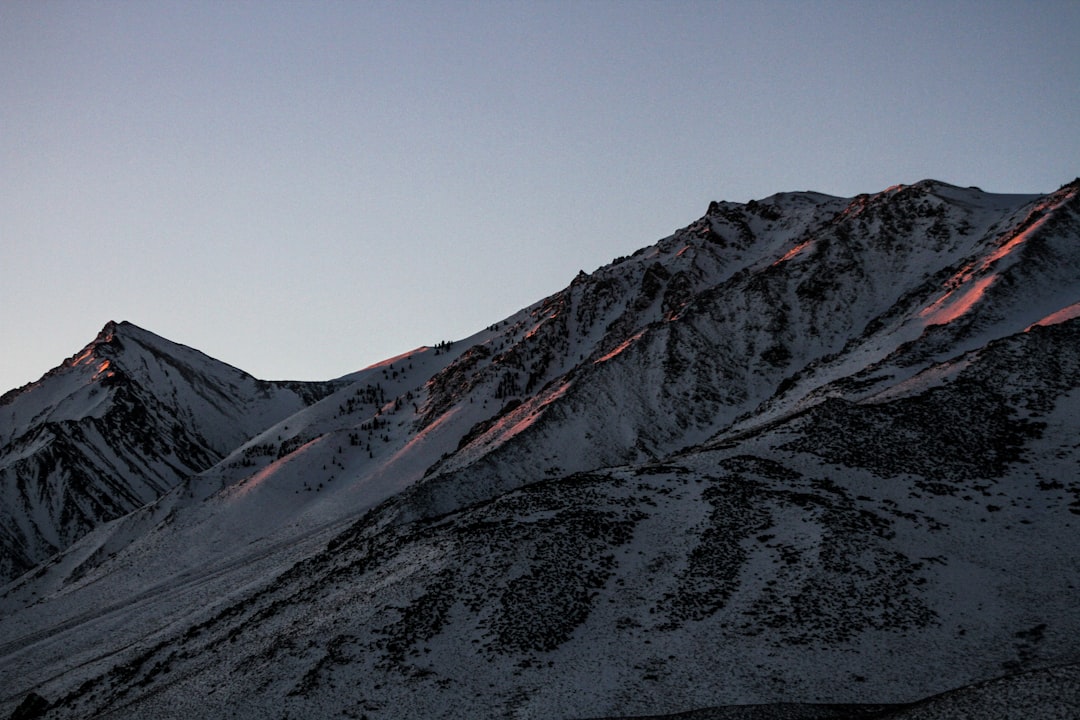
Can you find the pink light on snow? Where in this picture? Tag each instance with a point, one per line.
(261, 477)
(964, 291)
(521, 418)
(405, 356)
(1013, 243)
(86, 356)
(792, 252)
(1065, 313)
(1042, 209)
(621, 346)
(956, 302)
(536, 328)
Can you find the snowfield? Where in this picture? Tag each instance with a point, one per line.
(809, 457)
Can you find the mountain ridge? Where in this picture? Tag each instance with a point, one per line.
(822, 448)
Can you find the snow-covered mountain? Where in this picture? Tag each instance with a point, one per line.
(113, 428)
(808, 450)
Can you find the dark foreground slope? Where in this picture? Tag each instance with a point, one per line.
(1047, 693)
(805, 453)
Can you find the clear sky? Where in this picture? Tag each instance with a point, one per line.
(302, 189)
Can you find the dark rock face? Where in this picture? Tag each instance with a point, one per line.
(32, 707)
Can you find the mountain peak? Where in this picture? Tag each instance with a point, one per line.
(92, 350)
(117, 425)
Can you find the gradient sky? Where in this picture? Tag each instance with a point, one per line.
(302, 189)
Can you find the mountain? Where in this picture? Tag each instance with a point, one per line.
(807, 457)
(116, 426)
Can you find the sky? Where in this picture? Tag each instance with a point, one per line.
(302, 189)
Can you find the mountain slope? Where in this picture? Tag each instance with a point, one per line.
(115, 427)
(805, 450)
(743, 318)
(783, 573)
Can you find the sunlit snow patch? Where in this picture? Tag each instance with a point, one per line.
(956, 302)
(1065, 313)
(619, 348)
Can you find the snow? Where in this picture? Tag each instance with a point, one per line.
(653, 465)
(957, 301)
(1059, 316)
(113, 428)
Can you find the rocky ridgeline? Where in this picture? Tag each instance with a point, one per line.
(807, 455)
